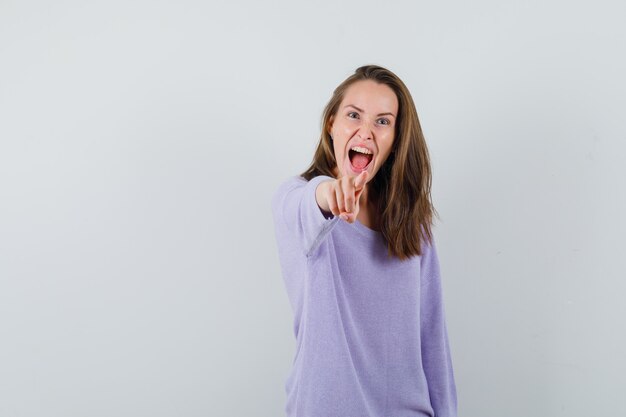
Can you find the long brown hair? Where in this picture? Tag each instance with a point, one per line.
(400, 190)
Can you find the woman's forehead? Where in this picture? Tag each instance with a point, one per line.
(370, 96)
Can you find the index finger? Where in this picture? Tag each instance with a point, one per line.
(360, 179)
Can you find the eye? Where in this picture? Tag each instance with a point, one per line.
(386, 121)
(352, 112)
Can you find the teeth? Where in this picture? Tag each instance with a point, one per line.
(361, 150)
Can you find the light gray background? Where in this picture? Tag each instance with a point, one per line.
(140, 142)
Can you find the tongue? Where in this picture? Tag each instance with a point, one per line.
(359, 161)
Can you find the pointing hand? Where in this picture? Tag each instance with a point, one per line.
(342, 195)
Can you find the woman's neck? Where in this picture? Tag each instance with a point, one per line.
(364, 198)
(368, 210)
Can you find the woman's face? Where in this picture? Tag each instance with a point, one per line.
(366, 118)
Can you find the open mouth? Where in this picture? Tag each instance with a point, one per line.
(358, 160)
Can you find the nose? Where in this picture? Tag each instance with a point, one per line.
(365, 131)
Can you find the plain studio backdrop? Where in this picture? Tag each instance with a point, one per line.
(140, 143)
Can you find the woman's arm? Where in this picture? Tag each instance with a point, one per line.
(320, 193)
(295, 205)
(436, 357)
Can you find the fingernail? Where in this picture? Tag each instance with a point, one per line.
(344, 217)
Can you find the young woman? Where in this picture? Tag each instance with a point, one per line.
(360, 265)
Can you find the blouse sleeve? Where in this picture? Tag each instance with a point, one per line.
(436, 358)
(295, 205)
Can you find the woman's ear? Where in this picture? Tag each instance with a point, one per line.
(330, 124)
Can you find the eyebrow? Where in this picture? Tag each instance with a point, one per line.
(380, 114)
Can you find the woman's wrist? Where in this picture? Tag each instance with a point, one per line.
(320, 197)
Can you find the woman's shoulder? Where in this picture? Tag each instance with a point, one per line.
(292, 180)
(288, 183)
(296, 181)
